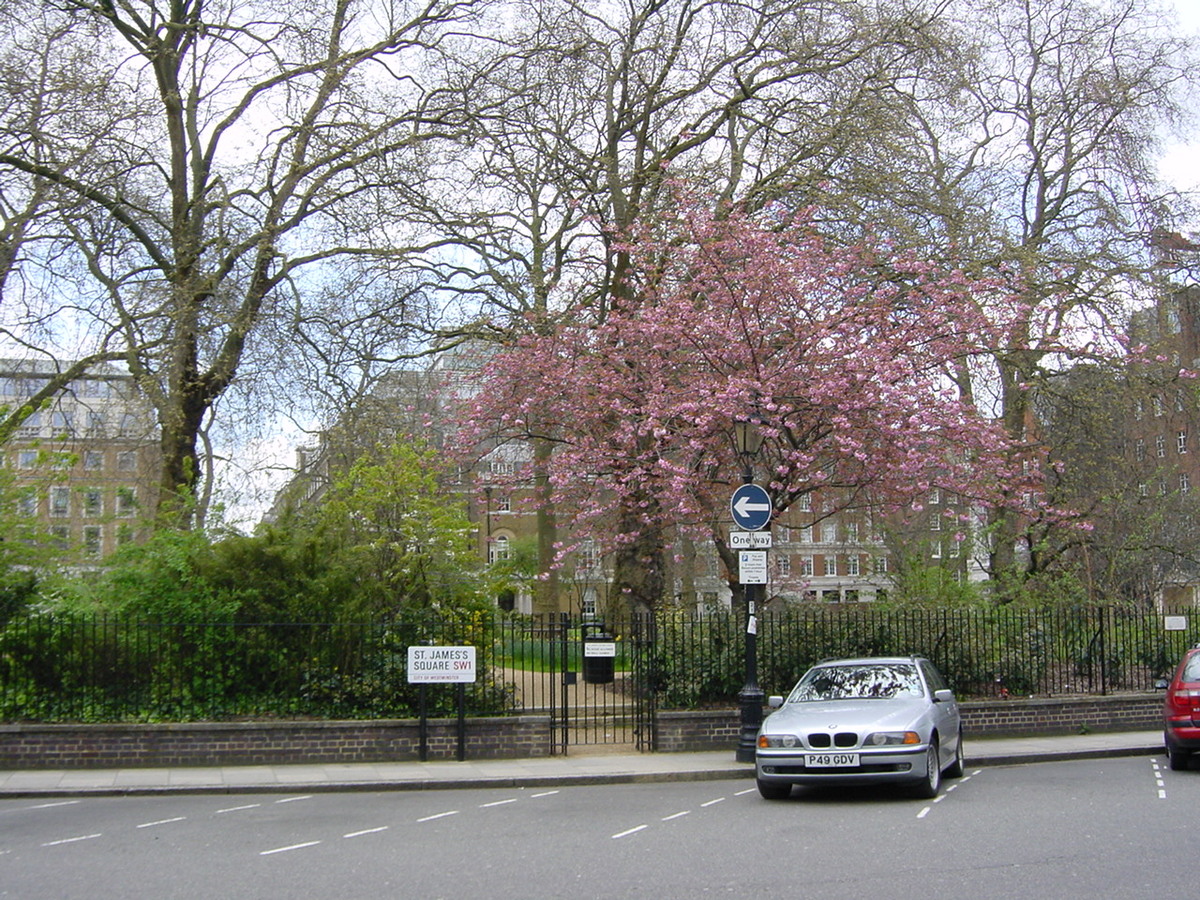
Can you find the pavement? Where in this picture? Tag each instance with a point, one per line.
(582, 766)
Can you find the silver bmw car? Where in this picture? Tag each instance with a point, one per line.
(862, 721)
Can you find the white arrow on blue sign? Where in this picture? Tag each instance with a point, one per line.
(751, 507)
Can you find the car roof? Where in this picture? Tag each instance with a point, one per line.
(868, 660)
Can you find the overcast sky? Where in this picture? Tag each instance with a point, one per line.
(1181, 163)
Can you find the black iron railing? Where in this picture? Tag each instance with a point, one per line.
(95, 668)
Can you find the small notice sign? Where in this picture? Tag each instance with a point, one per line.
(443, 665)
(752, 566)
(750, 540)
(1175, 623)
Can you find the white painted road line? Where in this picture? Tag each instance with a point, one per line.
(162, 822)
(294, 799)
(453, 812)
(82, 837)
(238, 808)
(291, 847)
(52, 805)
(497, 803)
(675, 816)
(628, 832)
(355, 834)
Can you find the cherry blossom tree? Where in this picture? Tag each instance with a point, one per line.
(840, 353)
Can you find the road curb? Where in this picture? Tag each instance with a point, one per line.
(527, 781)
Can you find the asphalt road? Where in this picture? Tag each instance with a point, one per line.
(1101, 828)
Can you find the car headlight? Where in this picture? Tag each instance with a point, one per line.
(767, 741)
(884, 738)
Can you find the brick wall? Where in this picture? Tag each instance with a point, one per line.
(1069, 715)
(263, 743)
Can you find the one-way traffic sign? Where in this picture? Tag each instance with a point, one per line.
(751, 507)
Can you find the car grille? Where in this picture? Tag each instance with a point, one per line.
(821, 739)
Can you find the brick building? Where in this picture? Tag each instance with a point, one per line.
(82, 469)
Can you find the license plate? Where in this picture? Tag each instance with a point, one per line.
(830, 760)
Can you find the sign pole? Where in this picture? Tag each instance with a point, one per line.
(423, 728)
(462, 721)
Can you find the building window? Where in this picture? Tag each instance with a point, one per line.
(96, 424)
(935, 496)
(31, 427)
(830, 565)
(1160, 446)
(61, 536)
(1157, 404)
(62, 423)
(784, 533)
(937, 550)
(853, 565)
(806, 567)
(881, 565)
(27, 503)
(129, 426)
(92, 537)
(124, 535)
(93, 503)
(589, 557)
(806, 534)
(1185, 482)
(1181, 442)
(60, 501)
(829, 532)
(502, 467)
(935, 523)
(126, 501)
(27, 459)
(955, 548)
(498, 549)
(783, 565)
(127, 461)
(588, 607)
(503, 505)
(852, 532)
(1139, 449)
(806, 503)
(93, 460)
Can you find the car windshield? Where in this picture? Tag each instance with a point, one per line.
(864, 681)
(1191, 669)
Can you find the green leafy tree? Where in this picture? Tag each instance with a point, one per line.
(408, 541)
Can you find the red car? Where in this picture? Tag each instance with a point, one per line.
(1181, 712)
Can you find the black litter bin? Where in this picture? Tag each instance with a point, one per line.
(598, 655)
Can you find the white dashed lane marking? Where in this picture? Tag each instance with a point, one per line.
(289, 847)
(71, 840)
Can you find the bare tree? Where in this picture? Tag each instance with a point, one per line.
(1037, 164)
(270, 154)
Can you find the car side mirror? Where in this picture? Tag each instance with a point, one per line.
(943, 696)
(774, 701)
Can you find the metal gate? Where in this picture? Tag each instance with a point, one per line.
(602, 695)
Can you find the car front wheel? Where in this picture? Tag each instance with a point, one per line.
(929, 786)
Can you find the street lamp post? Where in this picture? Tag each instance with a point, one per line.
(750, 699)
